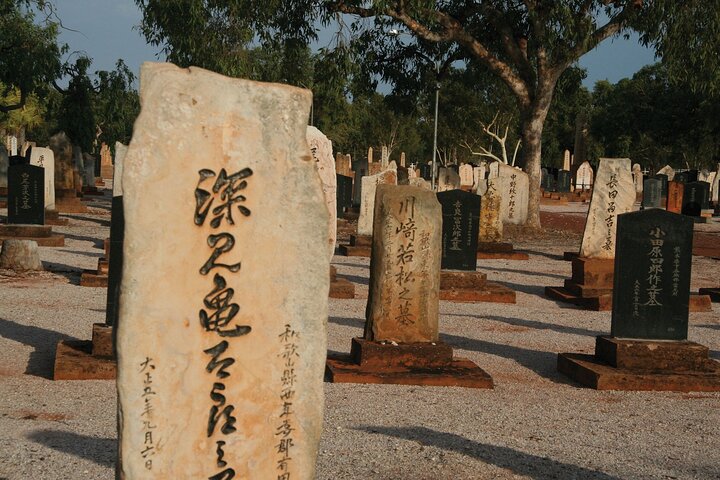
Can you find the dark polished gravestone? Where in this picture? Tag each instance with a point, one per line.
(563, 181)
(426, 171)
(651, 295)
(115, 264)
(460, 228)
(344, 194)
(664, 179)
(18, 160)
(648, 347)
(696, 197)
(652, 193)
(26, 195)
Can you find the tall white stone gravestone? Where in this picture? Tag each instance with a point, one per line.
(584, 176)
(715, 186)
(321, 149)
(13, 145)
(566, 160)
(637, 177)
(369, 185)
(45, 158)
(667, 170)
(220, 371)
(613, 194)
(515, 187)
(466, 175)
(384, 157)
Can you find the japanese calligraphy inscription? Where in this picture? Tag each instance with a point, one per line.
(461, 215)
(26, 194)
(221, 337)
(613, 194)
(405, 266)
(652, 275)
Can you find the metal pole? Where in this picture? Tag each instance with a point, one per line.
(437, 97)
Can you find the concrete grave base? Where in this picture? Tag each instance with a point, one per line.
(42, 234)
(86, 360)
(471, 287)
(424, 364)
(52, 217)
(67, 201)
(340, 287)
(713, 293)
(603, 303)
(90, 278)
(590, 286)
(360, 246)
(499, 251)
(624, 364)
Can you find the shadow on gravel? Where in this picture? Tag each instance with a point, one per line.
(521, 463)
(347, 322)
(101, 222)
(519, 322)
(86, 254)
(96, 242)
(551, 256)
(71, 273)
(710, 326)
(524, 272)
(102, 451)
(355, 278)
(42, 360)
(540, 362)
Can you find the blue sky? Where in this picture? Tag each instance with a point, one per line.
(105, 32)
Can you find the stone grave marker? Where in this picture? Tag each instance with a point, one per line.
(564, 179)
(490, 229)
(637, 177)
(584, 176)
(682, 177)
(652, 193)
(63, 151)
(515, 186)
(117, 238)
(667, 170)
(460, 223)
(4, 164)
(566, 160)
(360, 169)
(88, 170)
(321, 150)
(344, 194)
(402, 159)
(13, 145)
(544, 183)
(26, 195)
(675, 196)
(696, 197)
(426, 171)
(367, 204)
(652, 276)
(715, 188)
(664, 187)
(613, 194)
(44, 157)
(466, 175)
(405, 266)
(384, 157)
(216, 380)
(448, 179)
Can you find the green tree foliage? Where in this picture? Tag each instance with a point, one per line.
(29, 51)
(656, 121)
(75, 115)
(116, 104)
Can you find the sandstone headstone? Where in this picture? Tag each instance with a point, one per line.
(676, 191)
(20, 255)
(106, 162)
(448, 179)
(637, 177)
(216, 379)
(515, 187)
(466, 175)
(384, 157)
(402, 159)
(715, 188)
(584, 176)
(88, 170)
(566, 160)
(613, 194)
(321, 149)
(367, 203)
(419, 182)
(63, 154)
(405, 266)
(667, 170)
(370, 156)
(13, 145)
(711, 180)
(343, 165)
(44, 157)
(117, 238)
(491, 225)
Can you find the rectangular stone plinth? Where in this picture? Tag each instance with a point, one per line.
(602, 303)
(495, 247)
(460, 279)
(34, 231)
(594, 373)
(350, 251)
(102, 342)
(74, 361)
(460, 372)
(490, 293)
(341, 288)
(103, 267)
(386, 356)
(93, 279)
(54, 240)
(713, 293)
(584, 290)
(593, 272)
(70, 205)
(502, 256)
(649, 355)
(361, 240)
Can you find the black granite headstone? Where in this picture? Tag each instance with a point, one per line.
(344, 193)
(461, 221)
(696, 197)
(26, 194)
(664, 179)
(18, 160)
(652, 193)
(115, 263)
(651, 291)
(426, 171)
(681, 177)
(563, 181)
(692, 176)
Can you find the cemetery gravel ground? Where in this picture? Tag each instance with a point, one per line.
(535, 424)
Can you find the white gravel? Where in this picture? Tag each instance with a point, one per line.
(534, 424)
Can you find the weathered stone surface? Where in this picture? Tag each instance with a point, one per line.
(714, 181)
(613, 194)
(584, 176)
(667, 170)
(405, 266)
(466, 175)
(63, 155)
(514, 185)
(367, 203)
(45, 158)
(676, 191)
(448, 179)
(419, 182)
(637, 177)
(491, 225)
(257, 348)
(20, 255)
(321, 149)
